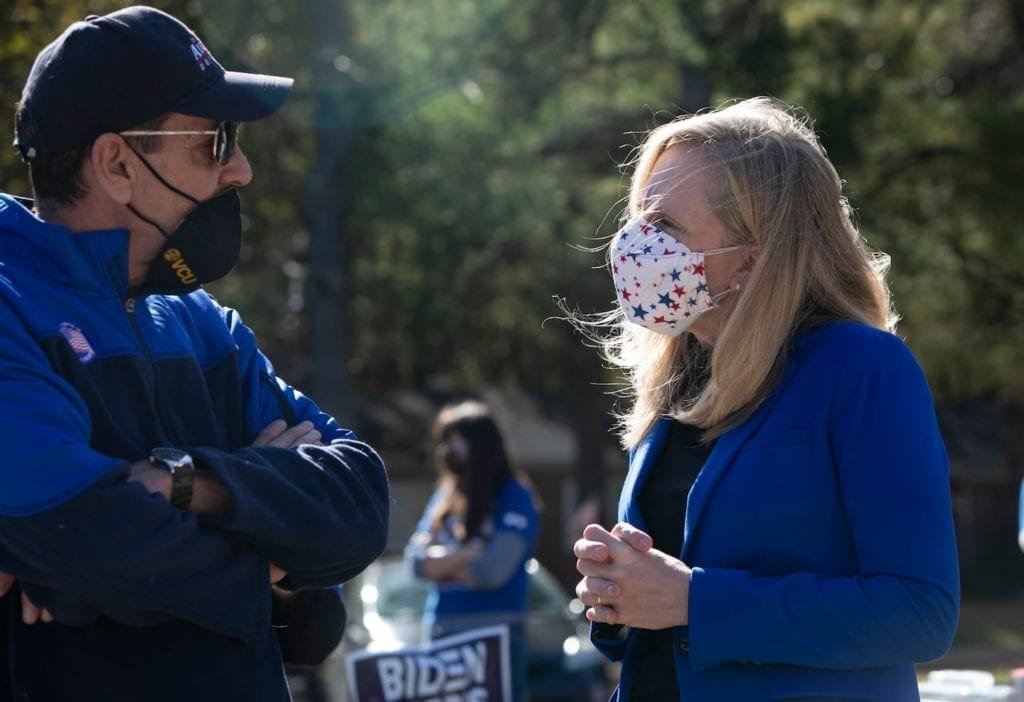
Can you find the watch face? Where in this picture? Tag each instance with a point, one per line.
(170, 456)
(179, 464)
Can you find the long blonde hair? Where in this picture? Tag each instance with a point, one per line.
(770, 184)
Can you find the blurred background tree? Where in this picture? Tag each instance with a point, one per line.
(445, 168)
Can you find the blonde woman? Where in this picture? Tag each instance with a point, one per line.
(785, 525)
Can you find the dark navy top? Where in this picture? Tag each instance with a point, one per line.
(663, 504)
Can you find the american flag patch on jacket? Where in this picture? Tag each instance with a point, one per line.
(79, 344)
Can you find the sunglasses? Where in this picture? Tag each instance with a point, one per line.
(225, 138)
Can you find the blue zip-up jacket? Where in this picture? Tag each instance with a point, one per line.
(153, 603)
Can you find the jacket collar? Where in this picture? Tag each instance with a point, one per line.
(94, 261)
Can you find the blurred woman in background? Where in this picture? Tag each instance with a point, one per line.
(476, 534)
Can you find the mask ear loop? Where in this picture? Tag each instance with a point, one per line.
(163, 182)
(719, 296)
(736, 287)
(147, 220)
(724, 249)
(161, 178)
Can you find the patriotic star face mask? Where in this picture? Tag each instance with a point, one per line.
(660, 284)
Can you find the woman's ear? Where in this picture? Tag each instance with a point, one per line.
(750, 256)
(746, 267)
(114, 170)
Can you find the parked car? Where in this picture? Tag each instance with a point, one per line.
(967, 686)
(385, 613)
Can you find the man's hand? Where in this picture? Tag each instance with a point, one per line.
(30, 613)
(6, 581)
(154, 478)
(279, 434)
(210, 497)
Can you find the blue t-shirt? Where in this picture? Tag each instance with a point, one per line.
(514, 512)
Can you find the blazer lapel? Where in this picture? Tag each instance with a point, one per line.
(722, 456)
(641, 461)
(717, 464)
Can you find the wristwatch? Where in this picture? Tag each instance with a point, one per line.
(182, 469)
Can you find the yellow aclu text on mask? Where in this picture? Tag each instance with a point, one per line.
(179, 266)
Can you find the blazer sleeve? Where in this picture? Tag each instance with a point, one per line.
(901, 603)
(610, 639)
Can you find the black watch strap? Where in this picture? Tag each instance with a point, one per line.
(182, 469)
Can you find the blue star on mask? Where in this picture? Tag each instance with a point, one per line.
(639, 312)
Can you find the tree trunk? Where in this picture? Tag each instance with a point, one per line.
(327, 204)
(695, 88)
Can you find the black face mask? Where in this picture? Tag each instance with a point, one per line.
(204, 247)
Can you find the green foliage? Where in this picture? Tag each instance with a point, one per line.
(481, 152)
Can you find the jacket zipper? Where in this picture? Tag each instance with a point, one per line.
(154, 387)
(129, 305)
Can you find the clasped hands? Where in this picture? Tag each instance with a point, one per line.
(627, 581)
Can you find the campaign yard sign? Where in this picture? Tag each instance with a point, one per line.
(469, 667)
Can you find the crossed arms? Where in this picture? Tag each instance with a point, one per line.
(314, 507)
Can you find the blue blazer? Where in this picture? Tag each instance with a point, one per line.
(820, 535)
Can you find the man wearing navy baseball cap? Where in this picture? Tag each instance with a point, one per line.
(161, 485)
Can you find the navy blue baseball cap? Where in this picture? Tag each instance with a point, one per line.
(111, 73)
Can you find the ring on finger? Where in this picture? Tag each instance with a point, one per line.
(599, 602)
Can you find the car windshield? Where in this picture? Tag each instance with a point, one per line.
(399, 595)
